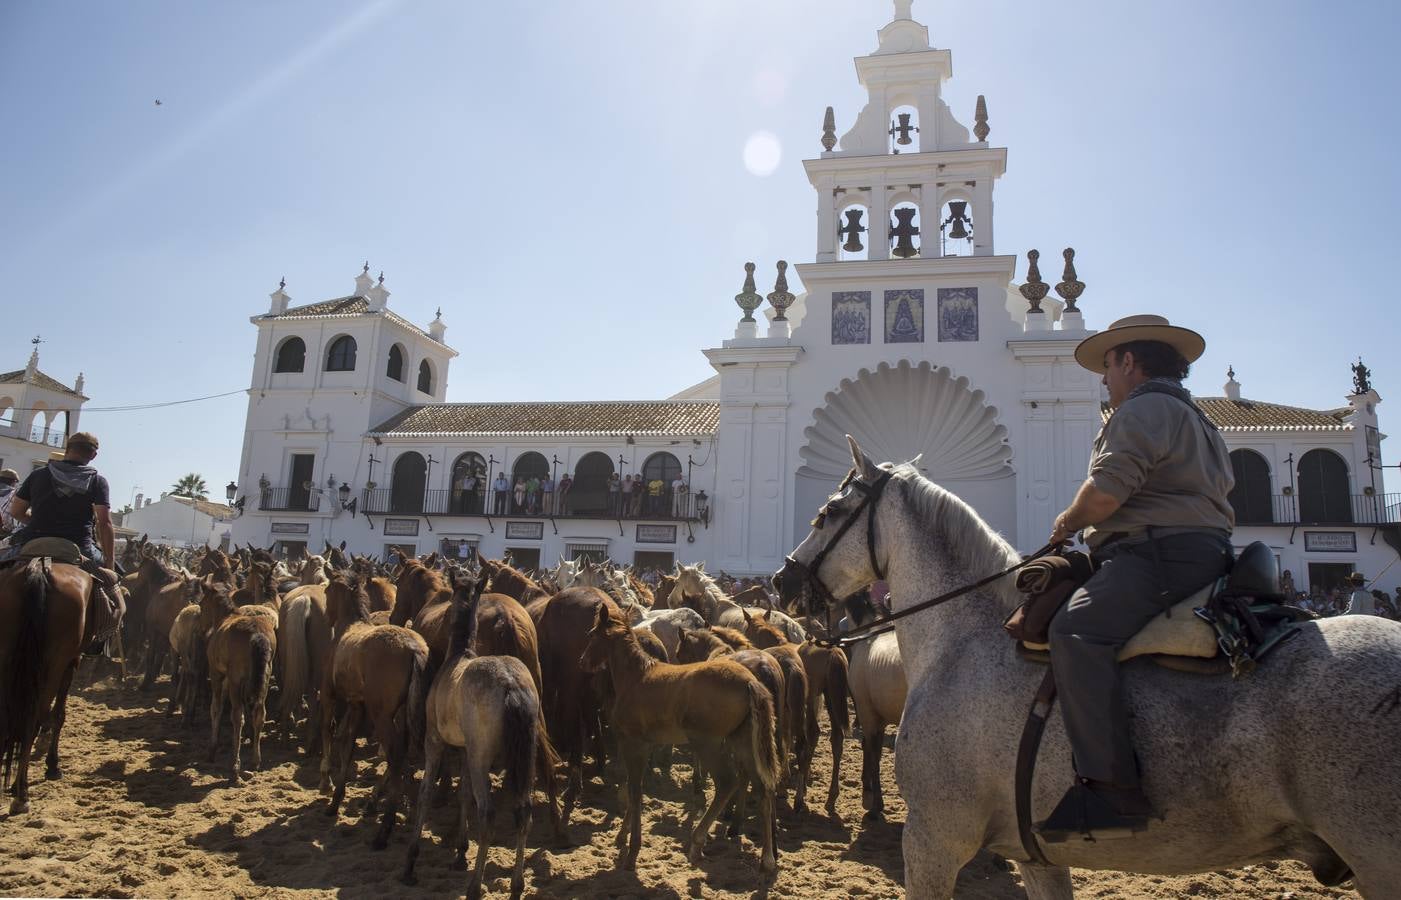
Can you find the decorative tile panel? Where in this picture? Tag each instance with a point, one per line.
(904, 316)
(958, 314)
(851, 317)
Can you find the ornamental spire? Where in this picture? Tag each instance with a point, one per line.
(1069, 287)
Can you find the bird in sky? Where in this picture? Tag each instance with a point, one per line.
(158, 103)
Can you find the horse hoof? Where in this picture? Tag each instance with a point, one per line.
(332, 809)
(474, 890)
(768, 865)
(19, 807)
(409, 879)
(874, 815)
(458, 864)
(53, 774)
(695, 854)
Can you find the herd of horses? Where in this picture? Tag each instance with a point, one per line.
(436, 661)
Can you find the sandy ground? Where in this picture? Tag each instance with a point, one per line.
(139, 813)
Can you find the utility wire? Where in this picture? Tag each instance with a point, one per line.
(131, 408)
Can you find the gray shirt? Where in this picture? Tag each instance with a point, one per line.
(1167, 467)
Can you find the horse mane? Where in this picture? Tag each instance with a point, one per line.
(464, 615)
(980, 549)
(734, 639)
(360, 598)
(710, 641)
(505, 578)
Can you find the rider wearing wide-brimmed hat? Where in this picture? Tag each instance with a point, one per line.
(1155, 514)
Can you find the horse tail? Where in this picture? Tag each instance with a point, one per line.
(296, 661)
(762, 736)
(19, 714)
(262, 646)
(838, 689)
(420, 681)
(522, 737)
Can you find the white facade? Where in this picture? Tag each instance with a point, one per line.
(37, 413)
(918, 345)
(180, 522)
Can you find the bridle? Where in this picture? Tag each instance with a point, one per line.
(870, 494)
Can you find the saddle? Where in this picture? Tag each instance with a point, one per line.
(105, 603)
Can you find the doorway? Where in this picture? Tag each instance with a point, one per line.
(644, 560)
(291, 550)
(1324, 577)
(527, 559)
(409, 551)
(299, 488)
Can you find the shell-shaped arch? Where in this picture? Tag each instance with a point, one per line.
(899, 412)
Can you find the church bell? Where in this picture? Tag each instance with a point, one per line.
(903, 233)
(852, 231)
(902, 129)
(958, 218)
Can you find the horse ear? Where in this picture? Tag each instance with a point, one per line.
(747, 618)
(863, 466)
(764, 614)
(700, 566)
(602, 617)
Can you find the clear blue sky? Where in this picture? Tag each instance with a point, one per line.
(566, 181)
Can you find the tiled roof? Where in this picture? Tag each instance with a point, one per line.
(1255, 415)
(343, 307)
(40, 379)
(617, 417)
(208, 507)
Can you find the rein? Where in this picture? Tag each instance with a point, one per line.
(854, 634)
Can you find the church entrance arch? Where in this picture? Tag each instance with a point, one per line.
(902, 411)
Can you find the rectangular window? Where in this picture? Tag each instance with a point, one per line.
(453, 547)
(409, 550)
(291, 549)
(527, 559)
(652, 560)
(1325, 577)
(595, 552)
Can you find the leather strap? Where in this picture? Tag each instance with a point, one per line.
(1026, 763)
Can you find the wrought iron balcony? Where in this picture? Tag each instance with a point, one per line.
(289, 499)
(1335, 510)
(439, 502)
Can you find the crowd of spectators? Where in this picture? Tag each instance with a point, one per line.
(1351, 598)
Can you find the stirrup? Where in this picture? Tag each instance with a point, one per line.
(1085, 815)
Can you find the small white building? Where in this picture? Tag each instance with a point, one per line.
(37, 413)
(911, 336)
(180, 521)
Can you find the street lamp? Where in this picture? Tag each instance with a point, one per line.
(347, 504)
(231, 491)
(703, 508)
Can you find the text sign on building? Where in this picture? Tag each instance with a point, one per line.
(291, 527)
(1330, 541)
(525, 531)
(401, 527)
(656, 534)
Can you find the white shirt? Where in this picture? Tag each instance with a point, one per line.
(1361, 603)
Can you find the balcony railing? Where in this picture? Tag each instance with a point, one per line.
(1355, 509)
(289, 499)
(385, 501)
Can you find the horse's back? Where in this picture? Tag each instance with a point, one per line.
(468, 699)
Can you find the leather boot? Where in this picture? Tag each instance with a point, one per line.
(1096, 811)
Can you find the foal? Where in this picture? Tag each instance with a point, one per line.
(489, 707)
(717, 706)
(375, 671)
(240, 653)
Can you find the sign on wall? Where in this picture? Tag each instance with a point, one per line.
(401, 527)
(656, 534)
(1330, 541)
(525, 531)
(291, 527)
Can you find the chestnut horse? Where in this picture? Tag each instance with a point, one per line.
(717, 706)
(489, 707)
(376, 671)
(241, 645)
(43, 613)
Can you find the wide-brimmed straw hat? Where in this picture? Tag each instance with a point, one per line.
(1090, 352)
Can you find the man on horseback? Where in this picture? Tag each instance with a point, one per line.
(68, 499)
(1155, 515)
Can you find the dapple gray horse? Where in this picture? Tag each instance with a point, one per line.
(1295, 760)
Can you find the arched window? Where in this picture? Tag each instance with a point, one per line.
(590, 491)
(1323, 488)
(36, 424)
(291, 356)
(7, 412)
(905, 231)
(528, 466)
(341, 356)
(410, 480)
(395, 369)
(425, 378)
(852, 233)
(665, 468)
(468, 483)
(58, 428)
(1250, 498)
(904, 128)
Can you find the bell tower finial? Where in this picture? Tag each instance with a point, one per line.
(902, 9)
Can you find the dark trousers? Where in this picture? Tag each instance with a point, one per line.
(1129, 590)
(501, 502)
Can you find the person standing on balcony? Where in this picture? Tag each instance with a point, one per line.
(679, 489)
(532, 495)
(519, 491)
(502, 488)
(547, 495)
(613, 488)
(655, 488)
(565, 484)
(627, 495)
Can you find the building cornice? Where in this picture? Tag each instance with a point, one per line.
(902, 270)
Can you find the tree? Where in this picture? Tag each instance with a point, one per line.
(191, 485)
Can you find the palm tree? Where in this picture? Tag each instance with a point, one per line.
(191, 485)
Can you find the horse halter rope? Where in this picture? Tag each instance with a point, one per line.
(870, 494)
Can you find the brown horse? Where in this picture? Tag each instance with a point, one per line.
(158, 593)
(490, 708)
(304, 645)
(826, 669)
(43, 617)
(795, 702)
(503, 579)
(573, 699)
(187, 644)
(240, 652)
(718, 707)
(376, 671)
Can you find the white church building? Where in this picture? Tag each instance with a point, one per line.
(911, 336)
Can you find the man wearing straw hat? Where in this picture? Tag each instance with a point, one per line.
(1158, 524)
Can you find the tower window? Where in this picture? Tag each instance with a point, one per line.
(425, 377)
(395, 369)
(341, 356)
(291, 356)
